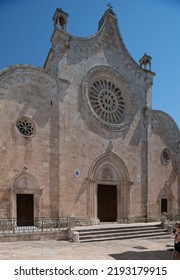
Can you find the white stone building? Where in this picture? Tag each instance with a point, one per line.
(79, 137)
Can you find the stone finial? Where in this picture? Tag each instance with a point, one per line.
(145, 61)
(110, 6)
(24, 169)
(109, 11)
(110, 147)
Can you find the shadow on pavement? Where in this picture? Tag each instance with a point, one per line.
(147, 255)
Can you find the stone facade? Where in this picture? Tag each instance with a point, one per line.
(80, 137)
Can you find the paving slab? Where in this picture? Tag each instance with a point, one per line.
(131, 249)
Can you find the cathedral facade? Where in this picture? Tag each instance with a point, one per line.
(79, 136)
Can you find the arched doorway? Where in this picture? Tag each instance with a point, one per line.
(24, 198)
(165, 199)
(108, 190)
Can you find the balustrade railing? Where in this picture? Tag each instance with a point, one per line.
(169, 220)
(40, 224)
(173, 217)
(82, 222)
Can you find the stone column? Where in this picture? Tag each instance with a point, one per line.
(127, 187)
(71, 225)
(13, 213)
(123, 200)
(37, 196)
(92, 201)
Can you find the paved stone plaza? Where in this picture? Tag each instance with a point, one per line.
(132, 249)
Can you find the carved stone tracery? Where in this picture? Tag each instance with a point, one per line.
(108, 98)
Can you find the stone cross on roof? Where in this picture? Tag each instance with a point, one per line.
(110, 6)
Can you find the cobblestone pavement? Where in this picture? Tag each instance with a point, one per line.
(132, 249)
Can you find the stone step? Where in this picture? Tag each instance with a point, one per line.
(118, 226)
(114, 230)
(113, 237)
(122, 234)
(119, 234)
(104, 233)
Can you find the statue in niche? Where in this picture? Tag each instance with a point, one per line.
(107, 174)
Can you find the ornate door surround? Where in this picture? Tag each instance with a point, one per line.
(109, 169)
(24, 183)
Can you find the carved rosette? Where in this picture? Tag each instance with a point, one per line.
(26, 126)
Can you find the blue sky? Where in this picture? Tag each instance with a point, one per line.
(151, 26)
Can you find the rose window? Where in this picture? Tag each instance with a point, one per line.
(107, 101)
(26, 126)
(166, 154)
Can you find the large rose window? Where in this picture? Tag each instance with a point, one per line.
(107, 101)
(108, 98)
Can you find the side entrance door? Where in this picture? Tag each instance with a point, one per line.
(164, 205)
(25, 209)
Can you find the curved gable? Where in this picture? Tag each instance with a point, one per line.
(165, 127)
(107, 40)
(17, 75)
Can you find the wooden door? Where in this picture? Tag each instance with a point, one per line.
(107, 203)
(164, 206)
(25, 209)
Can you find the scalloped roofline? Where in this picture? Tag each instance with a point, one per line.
(167, 117)
(102, 28)
(11, 68)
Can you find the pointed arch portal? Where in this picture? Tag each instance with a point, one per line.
(24, 195)
(108, 195)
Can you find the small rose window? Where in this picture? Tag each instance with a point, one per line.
(26, 126)
(166, 154)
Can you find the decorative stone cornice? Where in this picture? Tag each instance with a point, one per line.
(21, 73)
